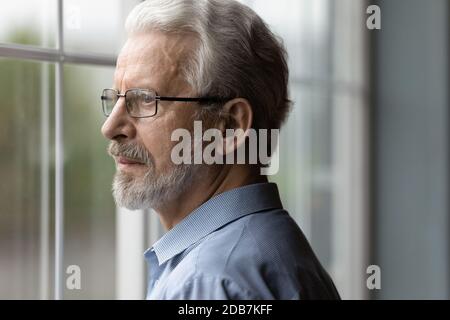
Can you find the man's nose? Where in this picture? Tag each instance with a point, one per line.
(118, 124)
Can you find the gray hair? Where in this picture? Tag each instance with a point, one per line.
(236, 55)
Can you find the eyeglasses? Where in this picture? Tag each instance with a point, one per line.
(143, 103)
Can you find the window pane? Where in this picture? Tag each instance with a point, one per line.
(89, 207)
(305, 173)
(95, 26)
(303, 27)
(350, 51)
(25, 168)
(31, 22)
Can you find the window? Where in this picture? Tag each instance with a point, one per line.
(25, 184)
(29, 22)
(89, 211)
(56, 208)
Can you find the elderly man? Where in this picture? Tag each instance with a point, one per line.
(228, 236)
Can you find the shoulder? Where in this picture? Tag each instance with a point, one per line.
(261, 252)
(270, 237)
(259, 256)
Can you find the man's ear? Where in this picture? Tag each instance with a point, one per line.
(239, 114)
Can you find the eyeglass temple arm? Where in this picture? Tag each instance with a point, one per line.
(202, 99)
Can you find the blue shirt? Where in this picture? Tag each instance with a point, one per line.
(240, 244)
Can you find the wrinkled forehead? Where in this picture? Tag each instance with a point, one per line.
(153, 58)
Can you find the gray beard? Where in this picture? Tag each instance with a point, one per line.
(152, 191)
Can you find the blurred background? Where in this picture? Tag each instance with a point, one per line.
(364, 166)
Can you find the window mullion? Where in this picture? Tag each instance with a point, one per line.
(59, 161)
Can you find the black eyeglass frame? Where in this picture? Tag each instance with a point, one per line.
(159, 98)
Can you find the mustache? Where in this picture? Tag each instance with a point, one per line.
(129, 150)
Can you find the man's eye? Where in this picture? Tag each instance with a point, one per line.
(147, 98)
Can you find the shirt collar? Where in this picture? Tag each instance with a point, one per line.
(213, 214)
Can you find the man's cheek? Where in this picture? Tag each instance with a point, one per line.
(161, 154)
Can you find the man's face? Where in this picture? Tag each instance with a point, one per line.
(146, 176)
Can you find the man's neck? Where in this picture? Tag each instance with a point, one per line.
(219, 181)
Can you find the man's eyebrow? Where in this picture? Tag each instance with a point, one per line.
(147, 87)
